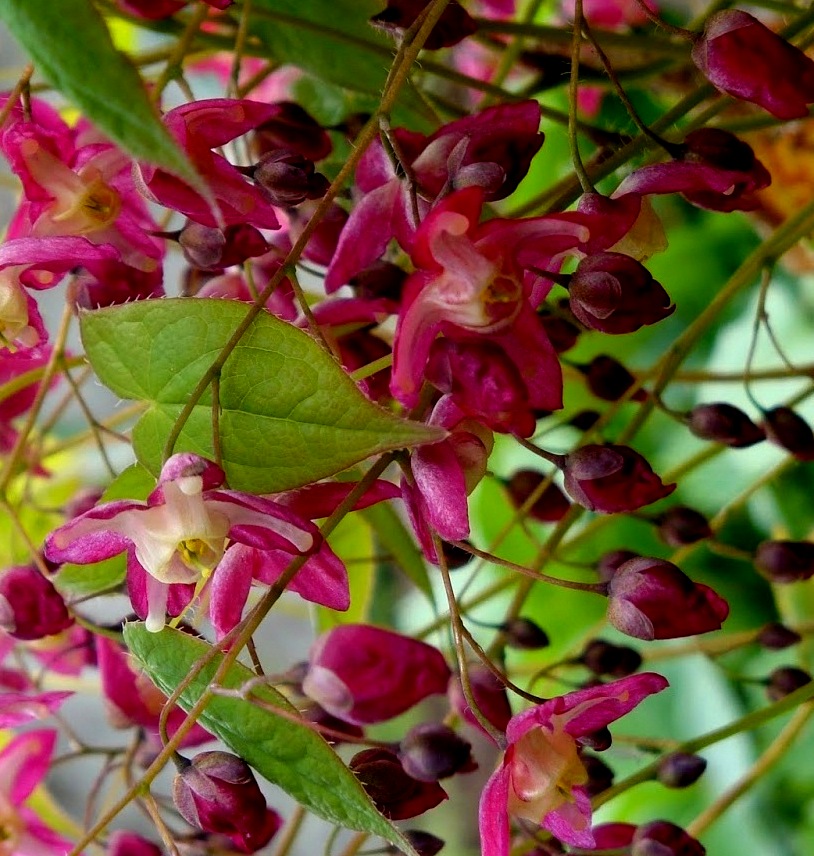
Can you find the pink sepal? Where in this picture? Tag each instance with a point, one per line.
(17, 707)
(93, 536)
(24, 763)
(319, 500)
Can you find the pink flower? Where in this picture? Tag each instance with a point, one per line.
(745, 59)
(176, 539)
(542, 778)
(653, 599)
(17, 708)
(200, 127)
(470, 279)
(364, 674)
(24, 763)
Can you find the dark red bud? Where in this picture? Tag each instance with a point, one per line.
(424, 843)
(790, 431)
(289, 178)
(605, 658)
(609, 380)
(30, 606)
(397, 795)
(525, 634)
(600, 775)
(381, 279)
(614, 293)
(717, 147)
(433, 751)
(550, 506)
(454, 25)
(777, 636)
(785, 561)
(662, 838)
(784, 681)
(217, 792)
(455, 557)
(599, 740)
(725, 424)
(680, 769)
(208, 248)
(610, 562)
(585, 419)
(562, 331)
(682, 525)
(293, 129)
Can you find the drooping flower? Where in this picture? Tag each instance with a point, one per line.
(542, 777)
(366, 674)
(742, 57)
(217, 792)
(30, 606)
(612, 478)
(178, 536)
(200, 127)
(653, 599)
(24, 763)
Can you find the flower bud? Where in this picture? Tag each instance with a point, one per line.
(680, 769)
(725, 424)
(208, 248)
(600, 775)
(785, 561)
(653, 599)
(381, 280)
(616, 294)
(365, 674)
(599, 740)
(609, 380)
(549, 507)
(454, 556)
(489, 695)
(397, 795)
(289, 178)
(610, 562)
(605, 658)
(662, 838)
(743, 58)
(525, 634)
(612, 479)
(562, 330)
(433, 751)
(30, 606)
(585, 419)
(681, 525)
(454, 25)
(790, 431)
(777, 636)
(293, 129)
(424, 843)
(784, 681)
(217, 792)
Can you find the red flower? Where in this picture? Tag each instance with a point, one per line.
(612, 478)
(745, 59)
(653, 599)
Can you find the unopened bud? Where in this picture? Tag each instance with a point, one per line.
(785, 561)
(682, 525)
(725, 424)
(433, 751)
(600, 775)
(784, 681)
(662, 838)
(680, 769)
(609, 380)
(424, 843)
(30, 606)
(790, 431)
(777, 636)
(525, 634)
(604, 658)
(549, 507)
(610, 563)
(289, 178)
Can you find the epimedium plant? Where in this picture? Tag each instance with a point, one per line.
(418, 246)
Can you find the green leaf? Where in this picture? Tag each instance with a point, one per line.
(283, 750)
(87, 580)
(394, 539)
(72, 48)
(289, 414)
(334, 40)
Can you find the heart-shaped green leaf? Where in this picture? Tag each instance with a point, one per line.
(289, 414)
(282, 749)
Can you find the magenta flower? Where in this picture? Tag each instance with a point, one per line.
(217, 792)
(176, 539)
(542, 778)
(745, 59)
(364, 674)
(200, 127)
(653, 599)
(612, 479)
(17, 708)
(24, 763)
(30, 606)
(470, 279)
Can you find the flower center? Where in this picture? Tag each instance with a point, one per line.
(96, 207)
(14, 327)
(11, 828)
(501, 299)
(199, 555)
